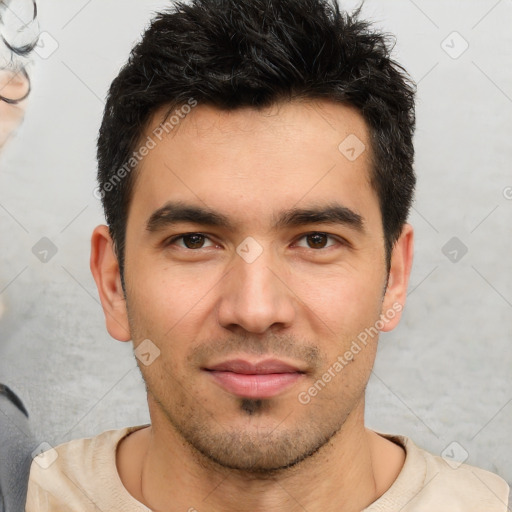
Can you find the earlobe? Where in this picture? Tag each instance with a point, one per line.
(400, 269)
(105, 270)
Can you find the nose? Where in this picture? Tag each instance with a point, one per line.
(255, 297)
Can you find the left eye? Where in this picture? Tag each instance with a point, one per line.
(317, 240)
(192, 241)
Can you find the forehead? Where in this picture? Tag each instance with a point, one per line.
(248, 163)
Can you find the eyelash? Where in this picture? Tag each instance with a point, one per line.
(340, 241)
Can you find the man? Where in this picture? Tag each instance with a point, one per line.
(18, 38)
(255, 165)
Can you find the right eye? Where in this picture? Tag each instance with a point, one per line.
(191, 241)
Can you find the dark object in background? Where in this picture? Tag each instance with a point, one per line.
(16, 446)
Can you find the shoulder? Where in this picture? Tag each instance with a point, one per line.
(431, 482)
(68, 475)
(465, 486)
(480, 489)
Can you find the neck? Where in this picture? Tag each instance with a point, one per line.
(348, 473)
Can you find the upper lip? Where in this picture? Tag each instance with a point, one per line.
(260, 367)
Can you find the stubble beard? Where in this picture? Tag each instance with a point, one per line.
(270, 439)
(260, 454)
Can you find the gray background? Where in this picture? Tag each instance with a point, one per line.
(442, 377)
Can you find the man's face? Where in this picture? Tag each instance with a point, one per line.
(249, 315)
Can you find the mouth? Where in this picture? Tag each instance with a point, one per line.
(263, 379)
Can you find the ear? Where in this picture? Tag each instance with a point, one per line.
(398, 280)
(105, 269)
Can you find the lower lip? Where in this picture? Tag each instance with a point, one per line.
(255, 385)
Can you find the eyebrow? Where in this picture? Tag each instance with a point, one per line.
(176, 212)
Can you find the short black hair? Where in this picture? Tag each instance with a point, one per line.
(255, 53)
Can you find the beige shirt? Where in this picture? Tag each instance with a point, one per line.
(81, 476)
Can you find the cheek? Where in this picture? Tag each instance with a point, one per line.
(346, 301)
(165, 299)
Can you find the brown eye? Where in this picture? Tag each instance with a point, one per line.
(191, 241)
(317, 240)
